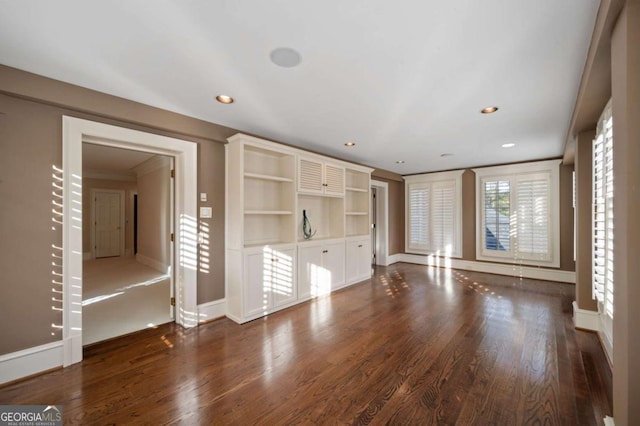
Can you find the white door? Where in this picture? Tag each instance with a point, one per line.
(108, 223)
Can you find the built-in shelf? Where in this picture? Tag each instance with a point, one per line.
(267, 177)
(269, 188)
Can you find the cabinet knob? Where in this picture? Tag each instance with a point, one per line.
(359, 245)
(325, 251)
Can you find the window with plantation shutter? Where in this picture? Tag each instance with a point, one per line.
(434, 213)
(518, 213)
(603, 216)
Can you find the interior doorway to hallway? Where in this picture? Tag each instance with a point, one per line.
(380, 222)
(76, 132)
(126, 289)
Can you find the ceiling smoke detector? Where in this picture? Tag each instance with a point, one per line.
(285, 57)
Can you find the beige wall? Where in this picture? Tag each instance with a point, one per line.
(566, 219)
(468, 215)
(31, 110)
(584, 225)
(625, 83)
(27, 232)
(129, 189)
(154, 215)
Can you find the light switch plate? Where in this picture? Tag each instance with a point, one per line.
(205, 212)
(203, 196)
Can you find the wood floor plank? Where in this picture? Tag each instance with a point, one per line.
(415, 345)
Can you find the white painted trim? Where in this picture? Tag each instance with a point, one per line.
(76, 131)
(608, 421)
(212, 310)
(382, 231)
(491, 268)
(394, 258)
(152, 263)
(585, 319)
(30, 361)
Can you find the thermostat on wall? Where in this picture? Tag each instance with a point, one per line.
(205, 212)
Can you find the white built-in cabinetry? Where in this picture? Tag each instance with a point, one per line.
(269, 263)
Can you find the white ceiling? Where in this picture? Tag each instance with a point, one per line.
(404, 79)
(105, 160)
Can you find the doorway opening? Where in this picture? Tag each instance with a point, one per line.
(77, 132)
(126, 290)
(380, 222)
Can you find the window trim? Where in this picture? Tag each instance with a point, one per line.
(513, 173)
(454, 176)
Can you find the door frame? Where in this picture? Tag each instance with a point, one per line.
(75, 131)
(382, 222)
(92, 225)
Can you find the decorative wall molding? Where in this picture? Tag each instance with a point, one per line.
(212, 310)
(531, 272)
(31, 361)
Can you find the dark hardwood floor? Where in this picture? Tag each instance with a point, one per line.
(415, 345)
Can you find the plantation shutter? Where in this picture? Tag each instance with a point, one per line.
(419, 217)
(603, 265)
(533, 218)
(443, 217)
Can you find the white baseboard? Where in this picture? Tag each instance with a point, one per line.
(585, 319)
(490, 268)
(152, 263)
(608, 421)
(30, 361)
(393, 258)
(212, 310)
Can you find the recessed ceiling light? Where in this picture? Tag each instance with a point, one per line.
(349, 144)
(446, 154)
(400, 162)
(285, 57)
(224, 99)
(508, 145)
(489, 110)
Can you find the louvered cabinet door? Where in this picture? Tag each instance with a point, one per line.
(310, 176)
(333, 180)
